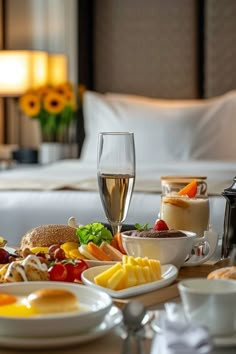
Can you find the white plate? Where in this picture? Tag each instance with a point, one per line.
(92, 263)
(227, 341)
(224, 341)
(111, 320)
(93, 305)
(169, 274)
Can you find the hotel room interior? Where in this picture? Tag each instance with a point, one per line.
(164, 70)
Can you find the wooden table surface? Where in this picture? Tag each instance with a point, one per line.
(112, 342)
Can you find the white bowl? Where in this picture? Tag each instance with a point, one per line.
(211, 303)
(95, 305)
(170, 250)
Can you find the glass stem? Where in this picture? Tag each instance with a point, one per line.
(116, 228)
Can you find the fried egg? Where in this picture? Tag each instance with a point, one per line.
(11, 305)
(41, 302)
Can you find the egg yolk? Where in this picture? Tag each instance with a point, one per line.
(14, 310)
(10, 306)
(6, 299)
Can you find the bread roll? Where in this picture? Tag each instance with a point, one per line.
(53, 301)
(47, 235)
(223, 273)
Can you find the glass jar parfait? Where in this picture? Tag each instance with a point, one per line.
(185, 204)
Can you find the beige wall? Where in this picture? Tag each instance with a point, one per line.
(48, 25)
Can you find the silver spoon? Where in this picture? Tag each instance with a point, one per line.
(134, 320)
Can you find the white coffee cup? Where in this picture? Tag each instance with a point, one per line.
(210, 303)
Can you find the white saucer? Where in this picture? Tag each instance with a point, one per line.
(112, 319)
(224, 341)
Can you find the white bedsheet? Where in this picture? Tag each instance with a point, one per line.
(51, 194)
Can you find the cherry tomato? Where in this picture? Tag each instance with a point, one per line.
(70, 272)
(75, 269)
(58, 272)
(4, 254)
(79, 267)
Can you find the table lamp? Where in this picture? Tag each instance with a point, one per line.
(20, 70)
(57, 69)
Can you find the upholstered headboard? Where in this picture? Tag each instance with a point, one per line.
(158, 48)
(171, 49)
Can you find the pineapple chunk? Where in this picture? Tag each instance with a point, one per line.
(139, 274)
(148, 274)
(145, 261)
(142, 261)
(132, 271)
(102, 278)
(131, 260)
(139, 261)
(123, 281)
(155, 266)
(125, 258)
(131, 279)
(115, 279)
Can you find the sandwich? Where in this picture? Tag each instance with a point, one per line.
(47, 235)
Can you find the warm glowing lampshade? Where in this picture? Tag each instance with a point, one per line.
(21, 70)
(57, 69)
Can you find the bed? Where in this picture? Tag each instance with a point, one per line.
(174, 137)
(158, 71)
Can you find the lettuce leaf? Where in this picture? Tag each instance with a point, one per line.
(141, 227)
(95, 232)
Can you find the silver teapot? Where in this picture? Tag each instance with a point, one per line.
(229, 234)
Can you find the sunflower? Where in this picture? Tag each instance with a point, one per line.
(54, 107)
(64, 89)
(70, 99)
(30, 104)
(54, 103)
(43, 91)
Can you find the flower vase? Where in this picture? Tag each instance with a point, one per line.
(50, 152)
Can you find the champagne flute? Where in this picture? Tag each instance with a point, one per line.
(116, 175)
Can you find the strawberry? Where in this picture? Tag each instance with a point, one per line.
(160, 225)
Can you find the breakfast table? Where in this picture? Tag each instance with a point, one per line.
(109, 344)
(154, 301)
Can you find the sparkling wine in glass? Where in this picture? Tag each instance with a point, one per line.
(116, 175)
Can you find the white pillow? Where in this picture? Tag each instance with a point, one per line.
(164, 130)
